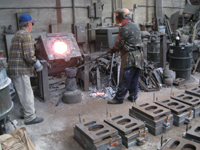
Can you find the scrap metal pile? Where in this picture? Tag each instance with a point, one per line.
(150, 78)
(105, 80)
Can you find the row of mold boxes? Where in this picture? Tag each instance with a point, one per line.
(155, 117)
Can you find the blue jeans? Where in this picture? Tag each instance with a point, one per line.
(129, 83)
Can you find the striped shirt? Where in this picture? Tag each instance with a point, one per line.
(21, 55)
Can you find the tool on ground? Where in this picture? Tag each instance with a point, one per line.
(110, 78)
(79, 118)
(171, 88)
(107, 112)
(60, 99)
(161, 141)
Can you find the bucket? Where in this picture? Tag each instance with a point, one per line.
(161, 29)
(180, 60)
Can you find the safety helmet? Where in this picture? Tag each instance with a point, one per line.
(121, 14)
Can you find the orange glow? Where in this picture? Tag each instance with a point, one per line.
(99, 94)
(60, 47)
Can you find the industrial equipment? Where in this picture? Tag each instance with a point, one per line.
(6, 103)
(180, 60)
(153, 50)
(106, 37)
(60, 50)
(56, 51)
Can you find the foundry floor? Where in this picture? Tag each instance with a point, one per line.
(56, 132)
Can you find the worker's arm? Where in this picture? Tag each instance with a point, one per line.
(28, 49)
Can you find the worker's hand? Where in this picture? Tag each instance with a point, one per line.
(38, 66)
(109, 51)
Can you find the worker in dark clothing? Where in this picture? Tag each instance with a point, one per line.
(130, 45)
(21, 64)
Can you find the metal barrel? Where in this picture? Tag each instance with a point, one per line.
(6, 103)
(153, 52)
(180, 60)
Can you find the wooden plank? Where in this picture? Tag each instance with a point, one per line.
(58, 11)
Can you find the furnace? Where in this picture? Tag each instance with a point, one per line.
(56, 51)
(60, 50)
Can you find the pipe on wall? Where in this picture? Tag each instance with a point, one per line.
(113, 9)
(73, 12)
(63, 7)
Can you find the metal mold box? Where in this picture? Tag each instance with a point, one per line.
(155, 127)
(182, 112)
(193, 134)
(193, 91)
(178, 143)
(95, 135)
(151, 110)
(132, 131)
(190, 100)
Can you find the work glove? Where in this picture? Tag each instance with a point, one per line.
(38, 66)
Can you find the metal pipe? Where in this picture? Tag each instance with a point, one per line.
(113, 9)
(42, 7)
(163, 7)
(73, 12)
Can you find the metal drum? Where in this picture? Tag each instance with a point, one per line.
(153, 52)
(180, 60)
(6, 103)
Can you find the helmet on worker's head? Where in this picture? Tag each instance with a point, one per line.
(121, 14)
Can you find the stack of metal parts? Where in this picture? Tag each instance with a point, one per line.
(158, 119)
(182, 113)
(193, 91)
(189, 100)
(193, 133)
(150, 79)
(132, 131)
(95, 135)
(178, 143)
(179, 82)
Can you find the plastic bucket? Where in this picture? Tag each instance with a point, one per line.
(161, 29)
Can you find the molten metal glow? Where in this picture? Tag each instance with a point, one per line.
(60, 47)
(99, 94)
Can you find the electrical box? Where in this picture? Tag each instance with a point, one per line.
(98, 10)
(79, 32)
(106, 37)
(91, 13)
(91, 32)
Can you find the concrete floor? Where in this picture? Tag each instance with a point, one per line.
(56, 132)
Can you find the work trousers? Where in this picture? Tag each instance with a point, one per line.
(129, 83)
(25, 96)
